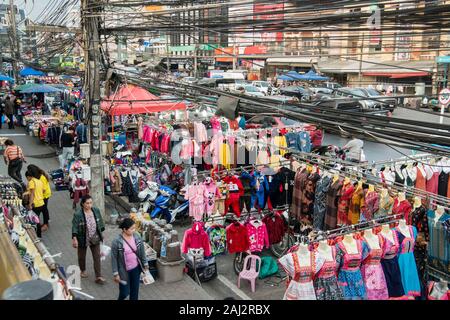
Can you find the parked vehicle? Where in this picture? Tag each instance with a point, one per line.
(383, 101)
(265, 87)
(257, 122)
(303, 94)
(240, 84)
(253, 91)
(189, 80)
(357, 94)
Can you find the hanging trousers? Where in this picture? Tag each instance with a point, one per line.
(233, 201)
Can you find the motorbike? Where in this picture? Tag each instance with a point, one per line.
(148, 196)
(170, 205)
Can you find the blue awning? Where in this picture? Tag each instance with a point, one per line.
(41, 88)
(6, 78)
(31, 72)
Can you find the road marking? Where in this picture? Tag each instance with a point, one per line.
(13, 134)
(233, 287)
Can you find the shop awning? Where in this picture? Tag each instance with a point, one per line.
(255, 50)
(31, 72)
(396, 75)
(132, 99)
(292, 61)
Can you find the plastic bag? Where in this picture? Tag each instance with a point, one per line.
(104, 252)
(147, 278)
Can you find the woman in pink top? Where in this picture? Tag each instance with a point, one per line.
(128, 260)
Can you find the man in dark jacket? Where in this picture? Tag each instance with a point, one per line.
(9, 111)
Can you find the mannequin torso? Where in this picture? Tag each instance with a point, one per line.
(387, 233)
(325, 250)
(350, 244)
(304, 255)
(372, 239)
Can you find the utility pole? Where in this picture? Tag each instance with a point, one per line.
(90, 23)
(14, 41)
(195, 60)
(167, 53)
(361, 49)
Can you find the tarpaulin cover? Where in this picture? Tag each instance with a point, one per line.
(31, 72)
(131, 99)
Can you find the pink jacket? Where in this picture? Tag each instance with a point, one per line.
(200, 132)
(195, 238)
(258, 236)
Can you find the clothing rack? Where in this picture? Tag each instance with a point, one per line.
(324, 235)
(395, 186)
(244, 216)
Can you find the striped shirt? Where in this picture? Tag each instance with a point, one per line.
(13, 152)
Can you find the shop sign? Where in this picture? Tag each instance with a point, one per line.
(444, 96)
(443, 59)
(207, 60)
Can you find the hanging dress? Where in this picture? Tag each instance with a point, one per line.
(196, 195)
(385, 206)
(349, 277)
(325, 282)
(332, 205)
(407, 263)
(372, 272)
(320, 204)
(301, 286)
(344, 203)
(356, 204)
(391, 268)
(421, 180)
(419, 219)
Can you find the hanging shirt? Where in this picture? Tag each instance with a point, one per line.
(200, 133)
(280, 142)
(305, 141)
(196, 238)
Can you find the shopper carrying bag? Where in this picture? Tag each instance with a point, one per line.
(129, 261)
(87, 231)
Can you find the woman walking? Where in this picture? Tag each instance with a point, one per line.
(36, 202)
(40, 174)
(14, 159)
(87, 229)
(128, 260)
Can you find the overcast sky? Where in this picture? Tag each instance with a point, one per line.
(32, 8)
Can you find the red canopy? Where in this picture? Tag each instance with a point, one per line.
(131, 99)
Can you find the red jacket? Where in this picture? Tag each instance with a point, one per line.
(235, 180)
(195, 238)
(237, 238)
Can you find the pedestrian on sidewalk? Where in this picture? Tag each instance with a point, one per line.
(67, 143)
(36, 202)
(87, 231)
(2, 110)
(9, 111)
(14, 159)
(128, 260)
(40, 174)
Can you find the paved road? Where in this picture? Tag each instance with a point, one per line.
(377, 151)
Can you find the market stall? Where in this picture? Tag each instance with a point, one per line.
(24, 257)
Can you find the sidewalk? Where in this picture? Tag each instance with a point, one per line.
(58, 237)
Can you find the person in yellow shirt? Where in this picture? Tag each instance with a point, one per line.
(36, 203)
(40, 174)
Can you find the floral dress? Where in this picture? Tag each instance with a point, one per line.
(407, 263)
(344, 203)
(391, 268)
(356, 205)
(325, 283)
(372, 272)
(349, 277)
(301, 286)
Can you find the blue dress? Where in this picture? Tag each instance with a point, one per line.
(407, 263)
(350, 279)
